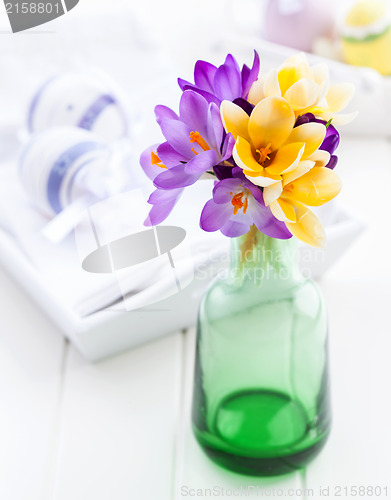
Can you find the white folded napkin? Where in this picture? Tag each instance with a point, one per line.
(60, 264)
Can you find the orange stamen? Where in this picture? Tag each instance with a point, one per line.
(264, 153)
(245, 205)
(238, 203)
(155, 160)
(198, 139)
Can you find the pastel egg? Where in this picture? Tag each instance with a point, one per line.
(79, 99)
(366, 35)
(54, 163)
(297, 23)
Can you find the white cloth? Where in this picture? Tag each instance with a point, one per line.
(60, 264)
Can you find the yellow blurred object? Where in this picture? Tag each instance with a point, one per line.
(366, 12)
(366, 35)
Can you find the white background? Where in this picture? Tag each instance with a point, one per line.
(120, 429)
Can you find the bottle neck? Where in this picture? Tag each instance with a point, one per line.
(256, 258)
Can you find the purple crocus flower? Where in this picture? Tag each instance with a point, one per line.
(195, 143)
(236, 205)
(330, 142)
(226, 82)
(163, 200)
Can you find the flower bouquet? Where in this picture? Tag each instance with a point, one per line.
(268, 142)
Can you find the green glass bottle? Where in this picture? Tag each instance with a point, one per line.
(261, 392)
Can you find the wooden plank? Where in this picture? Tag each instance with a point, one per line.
(31, 357)
(359, 448)
(118, 428)
(194, 471)
(358, 296)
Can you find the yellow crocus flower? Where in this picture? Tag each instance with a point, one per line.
(306, 88)
(285, 161)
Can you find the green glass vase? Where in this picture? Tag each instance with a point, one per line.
(261, 389)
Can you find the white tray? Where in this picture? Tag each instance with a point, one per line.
(115, 329)
(108, 331)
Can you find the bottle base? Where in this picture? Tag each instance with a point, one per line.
(261, 433)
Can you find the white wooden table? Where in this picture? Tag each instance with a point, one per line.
(119, 430)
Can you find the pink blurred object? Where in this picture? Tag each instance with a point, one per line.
(297, 23)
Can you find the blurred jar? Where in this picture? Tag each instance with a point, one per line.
(366, 35)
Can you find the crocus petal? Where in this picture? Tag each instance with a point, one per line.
(320, 73)
(228, 82)
(243, 156)
(286, 159)
(245, 75)
(342, 119)
(249, 77)
(331, 141)
(338, 96)
(168, 155)
(320, 157)
(308, 227)
(271, 193)
(184, 83)
(256, 191)
(177, 134)
(261, 180)
(299, 60)
(256, 92)
(223, 172)
(332, 163)
(222, 192)
(145, 160)
(303, 94)
(164, 113)
(306, 118)
(205, 94)
(228, 146)
(271, 87)
(293, 69)
(233, 228)
(303, 167)
(215, 129)
(186, 174)
(271, 122)
(163, 207)
(312, 134)
(234, 119)
(283, 210)
(245, 105)
(231, 62)
(160, 196)
(237, 173)
(176, 177)
(158, 214)
(204, 73)
(266, 222)
(315, 188)
(214, 216)
(193, 110)
(202, 162)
